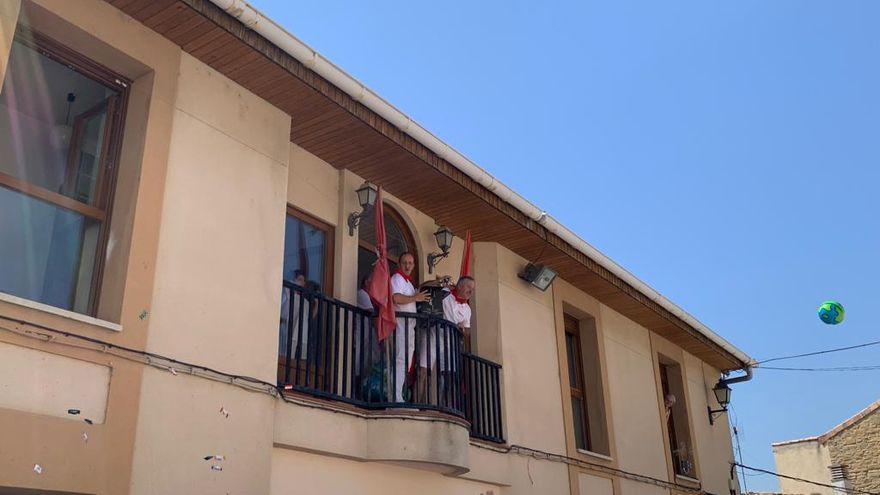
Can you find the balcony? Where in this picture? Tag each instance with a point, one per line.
(328, 349)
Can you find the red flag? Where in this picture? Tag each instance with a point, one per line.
(466, 258)
(379, 286)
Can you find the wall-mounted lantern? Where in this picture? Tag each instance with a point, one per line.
(367, 198)
(444, 237)
(722, 395)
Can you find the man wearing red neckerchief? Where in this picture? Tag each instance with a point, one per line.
(457, 310)
(405, 298)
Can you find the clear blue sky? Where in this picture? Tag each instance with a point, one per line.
(726, 152)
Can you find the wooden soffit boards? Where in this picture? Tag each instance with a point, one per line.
(330, 124)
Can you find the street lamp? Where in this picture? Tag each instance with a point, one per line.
(367, 199)
(443, 236)
(722, 395)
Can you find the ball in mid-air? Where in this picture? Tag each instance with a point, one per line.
(831, 312)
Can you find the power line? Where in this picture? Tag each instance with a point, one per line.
(549, 456)
(853, 491)
(839, 368)
(876, 342)
(739, 452)
(257, 385)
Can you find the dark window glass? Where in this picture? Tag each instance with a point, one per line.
(397, 236)
(57, 130)
(677, 428)
(53, 125)
(47, 253)
(576, 380)
(573, 372)
(577, 413)
(305, 248)
(394, 234)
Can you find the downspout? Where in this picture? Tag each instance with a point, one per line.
(737, 379)
(267, 28)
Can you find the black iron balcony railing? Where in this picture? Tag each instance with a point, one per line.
(329, 348)
(483, 398)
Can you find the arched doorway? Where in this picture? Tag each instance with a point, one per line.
(398, 237)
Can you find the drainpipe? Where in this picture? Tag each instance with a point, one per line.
(277, 35)
(737, 379)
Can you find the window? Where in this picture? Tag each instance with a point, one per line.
(308, 250)
(61, 118)
(308, 263)
(576, 384)
(398, 237)
(676, 418)
(585, 385)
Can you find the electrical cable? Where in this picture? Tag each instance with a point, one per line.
(740, 454)
(828, 351)
(549, 456)
(174, 366)
(257, 385)
(853, 491)
(839, 368)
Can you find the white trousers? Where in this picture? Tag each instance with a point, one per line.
(404, 345)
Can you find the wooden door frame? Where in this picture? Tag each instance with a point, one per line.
(330, 239)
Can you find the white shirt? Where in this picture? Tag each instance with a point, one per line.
(456, 312)
(363, 300)
(400, 285)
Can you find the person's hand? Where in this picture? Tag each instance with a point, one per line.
(422, 296)
(463, 329)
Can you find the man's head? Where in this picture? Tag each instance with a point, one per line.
(406, 262)
(669, 401)
(299, 278)
(465, 287)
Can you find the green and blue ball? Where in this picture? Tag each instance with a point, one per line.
(831, 312)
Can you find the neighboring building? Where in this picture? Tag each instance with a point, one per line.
(847, 456)
(171, 179)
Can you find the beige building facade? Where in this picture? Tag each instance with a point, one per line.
(197, 169)
(846, 457)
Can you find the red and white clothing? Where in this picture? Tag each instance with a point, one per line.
(404, 339)
(459, 313)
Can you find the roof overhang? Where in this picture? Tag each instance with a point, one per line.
(333, 125)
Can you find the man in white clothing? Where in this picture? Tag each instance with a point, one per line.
(456, 310)
(405, 298)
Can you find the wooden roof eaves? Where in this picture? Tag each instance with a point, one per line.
(418, 150)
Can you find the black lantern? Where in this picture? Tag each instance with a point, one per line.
(367, 195)
(367, 198)
(444, 237)
(722, 395)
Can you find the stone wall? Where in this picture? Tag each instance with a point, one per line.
(858, 448)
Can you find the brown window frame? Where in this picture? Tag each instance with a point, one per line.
(666, 369)
(389, 211)
(329, 249)
(572, 328)
(105, 187)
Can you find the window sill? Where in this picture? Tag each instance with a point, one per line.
(596, 455)
(70, 315)
(687, 480)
